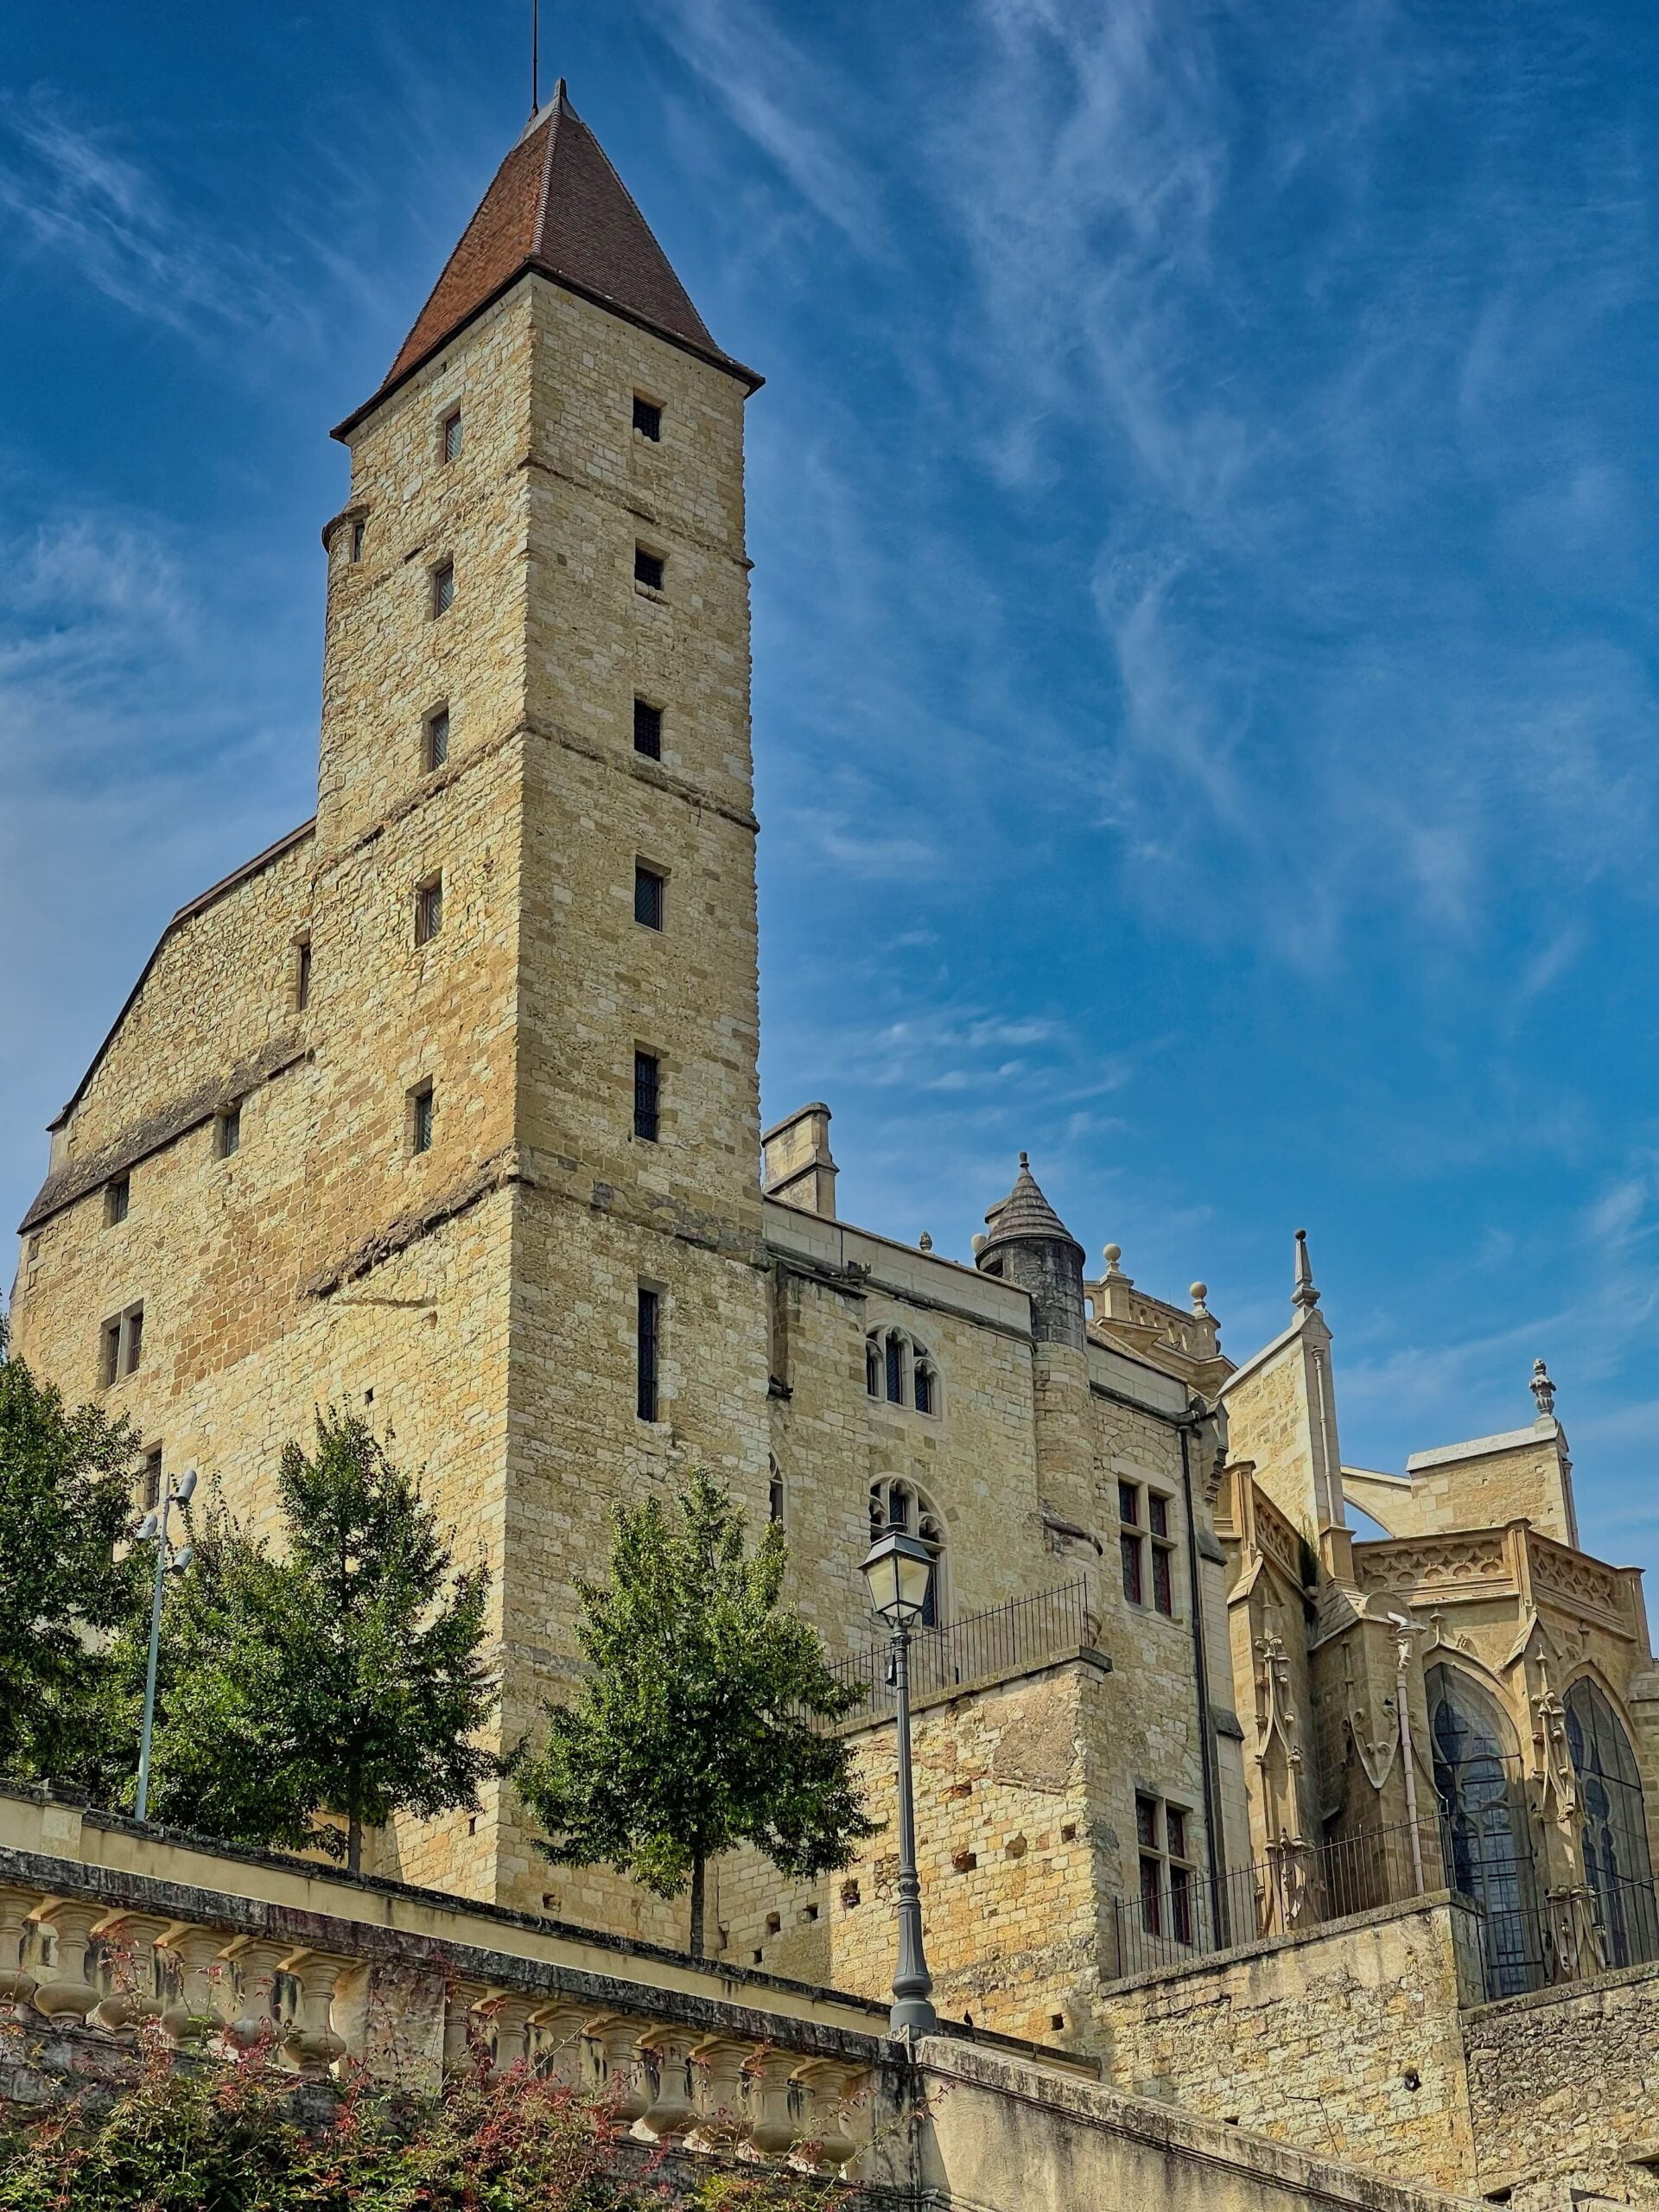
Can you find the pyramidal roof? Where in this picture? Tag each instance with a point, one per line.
(1025, 1213)
(557, 205)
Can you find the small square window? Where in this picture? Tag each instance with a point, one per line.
(118, 1199)
(428, 911)
(452, 435)
(228, 1132)
(302, 974)
(358, 530)
(650, 896)
(647, 418)
(648, 729)
(443, 588)
(421, 1114)
(647, 1094)
(648, 569)
(437, 738)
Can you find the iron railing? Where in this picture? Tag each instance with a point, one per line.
(1605, 1923)
(1023, 1633)
(1180, 1914)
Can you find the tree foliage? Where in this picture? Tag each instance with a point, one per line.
(232, 2139)
(343, 1672)
(65, 1501)
(693, 1729)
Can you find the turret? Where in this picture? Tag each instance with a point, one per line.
(1028, 1245)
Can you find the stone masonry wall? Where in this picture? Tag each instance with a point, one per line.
(1345, 2040)
(1564, 2092)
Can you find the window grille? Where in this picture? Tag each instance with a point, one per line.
(452, 435)
(647, 730)
(647, 1074)
(650, 890)
(648, 569)
(647, 418)
(443, 588)
(648, 1349)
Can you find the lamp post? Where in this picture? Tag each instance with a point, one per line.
(152, 1530)
(898, 1571)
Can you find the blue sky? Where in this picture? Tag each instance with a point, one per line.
(1202, 502)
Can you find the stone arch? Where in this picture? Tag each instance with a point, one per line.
(1612, 1826)
(1487, 1829)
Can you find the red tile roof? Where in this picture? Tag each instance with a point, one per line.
(557, 205)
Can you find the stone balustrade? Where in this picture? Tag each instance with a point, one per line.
(322, 2008)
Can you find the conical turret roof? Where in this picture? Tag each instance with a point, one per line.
(1026, 1216)
(557, 205)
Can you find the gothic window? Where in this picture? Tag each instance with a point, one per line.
(1478, 1780)
(1614, 1829)
(896, 1505)
(901, 1370)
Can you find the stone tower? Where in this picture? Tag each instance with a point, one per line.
(446, 1108)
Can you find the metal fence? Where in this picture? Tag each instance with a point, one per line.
(1606, 1922)
(1022, 1633)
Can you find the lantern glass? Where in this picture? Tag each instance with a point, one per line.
(898, 1571)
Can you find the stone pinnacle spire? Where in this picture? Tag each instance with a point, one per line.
(1304, 1297)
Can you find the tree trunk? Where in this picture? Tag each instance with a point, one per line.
(698, 1868)
(354, 1844)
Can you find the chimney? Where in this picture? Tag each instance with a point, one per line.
(798, 1167)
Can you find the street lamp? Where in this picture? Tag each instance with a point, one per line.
(152, 1530)
(898, 1571)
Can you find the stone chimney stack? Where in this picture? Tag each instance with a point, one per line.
(799, 1166)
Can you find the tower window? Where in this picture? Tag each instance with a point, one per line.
(422, 1111)
(437, 738)
(647, 418)
(302, 974)
(895, 1370)
(121, 1344)
(647, 1085)
(452, 435)
(118, 1199)
(1147, 1547)
(648, 569)
(443, 588)
(650, 896)
(358, 530)
(647, 1349)
(228, 1132)
(152, 1479)
(428, 911)
(648, 729)
(775, 1494)
(1167, 1874)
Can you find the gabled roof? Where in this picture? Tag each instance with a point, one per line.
(556, 205)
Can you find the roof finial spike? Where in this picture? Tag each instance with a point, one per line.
(1543, 1390)
(535, 59)
(1304, 1296)
(1024, 1160)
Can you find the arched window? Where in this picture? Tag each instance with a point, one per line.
(1478, 1779)
(896, 1504)
(1615, 1829)
(901, 1370)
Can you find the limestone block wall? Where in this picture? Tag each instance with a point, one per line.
(1562, 2091)
(1345, 2040)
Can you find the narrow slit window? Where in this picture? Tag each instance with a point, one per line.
(648, 729)
(229, 1131)
(132, 1340)
(437, 738)
(422, 1114)
(452, 435)
(650, 896)
(648, 569)
(648, 1349)
(443, 588)
(358, 531)
(302, 974)
(775, 1496)
(118, 1199)
(647, 418)
(647, 1096)
(109, 1354)
(428, 911)
(895, 1363)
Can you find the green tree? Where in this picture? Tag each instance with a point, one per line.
(344, 1673)
(693, 1730)
(65, 1501)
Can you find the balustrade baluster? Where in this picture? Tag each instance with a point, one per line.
(133, 1990)
(68, 1992)
(717, 2074)
(828, 2086)
(16, 1982)
(671, 2110)
(311, 2043)
(774, 2125)
(624, 2091)
(462, 2001)
(558, 2045)
(197, 2009)
(254, 1966)
(509, 2018)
